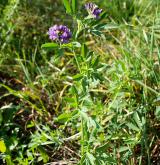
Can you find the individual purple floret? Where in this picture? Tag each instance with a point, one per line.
(93, 10)
(59, 33)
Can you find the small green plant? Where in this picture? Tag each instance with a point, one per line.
(88, 75)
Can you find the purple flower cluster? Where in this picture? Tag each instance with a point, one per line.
(62, 34)
(59, 33)
(93, 10)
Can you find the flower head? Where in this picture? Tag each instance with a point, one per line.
(59, 33)
(93, 10)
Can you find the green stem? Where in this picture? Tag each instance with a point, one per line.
(82, 137)
(76, 60)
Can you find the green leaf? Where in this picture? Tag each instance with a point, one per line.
(85, 84)
(137, 120)
(64, 117)
(69, 99)
(77, 77)
(102, 148)
(95, 62)
(84, 115)
(98, 33)
(76, 44)
(108, 118)
(84, 50)
(107, 26)
(133, 127)
(2, 146)
(91, 158)
(74, 6)
(50, 45)
(43, 154)
(71, 45)
(123, 148)
(157, 112)
(67, 6)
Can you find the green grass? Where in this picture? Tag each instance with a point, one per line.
(99, 104)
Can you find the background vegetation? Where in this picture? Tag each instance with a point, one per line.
(39, 119)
